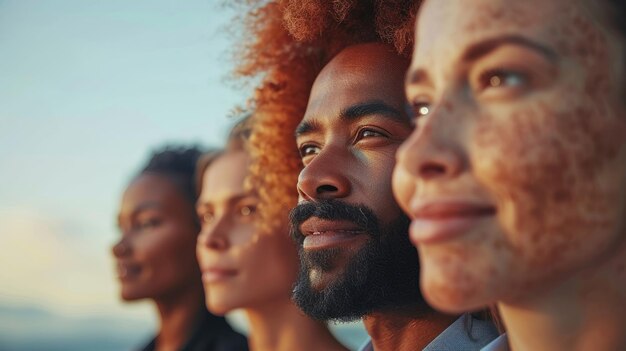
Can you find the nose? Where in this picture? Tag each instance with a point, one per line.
(432, 151)
(121, 248)
(214, 236)
(324, 178)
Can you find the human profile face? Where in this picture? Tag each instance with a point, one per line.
(515, 174)
(241, 268)
(154, 255)
(351, 233)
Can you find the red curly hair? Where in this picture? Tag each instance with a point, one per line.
(285, 45)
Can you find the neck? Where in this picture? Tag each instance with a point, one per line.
(281, 326)
(177, 317)
(410, 328)
(585, 312)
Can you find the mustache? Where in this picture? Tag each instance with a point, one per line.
(333, 210)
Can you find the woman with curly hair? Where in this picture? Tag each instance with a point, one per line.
(244, 268)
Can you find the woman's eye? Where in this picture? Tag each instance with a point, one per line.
(501, 78)
(308, 150)
(149, 223)
(207, 217)
(247, 210)
(417, 110)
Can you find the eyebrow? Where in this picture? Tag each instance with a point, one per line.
(231, 200)
(483, 48)
(142, 207)
(479, 50)
(355, 112)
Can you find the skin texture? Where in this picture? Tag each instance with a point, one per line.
(158, 234)
(351, 159)
(284, 46)
(261, 266)
(525, 114)
(229, 241)
(155, 255)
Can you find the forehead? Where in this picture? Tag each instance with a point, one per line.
(345, 82)
(153, 188)
(225, 177)
(449, 26)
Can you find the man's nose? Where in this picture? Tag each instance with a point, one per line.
(324, 178)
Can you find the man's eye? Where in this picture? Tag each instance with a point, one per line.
(368, 133)
(308, 150)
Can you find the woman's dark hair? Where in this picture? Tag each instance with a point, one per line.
(178, 163)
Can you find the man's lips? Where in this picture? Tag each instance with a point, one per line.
(217, 274)
(323, 233)
(436, 221)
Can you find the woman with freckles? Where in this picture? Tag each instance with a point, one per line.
(515, 175)
(244, 266)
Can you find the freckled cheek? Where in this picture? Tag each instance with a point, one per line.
(548, 179)
(460, 277)
(403, 188)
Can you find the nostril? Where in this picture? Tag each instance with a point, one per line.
(431, 170)
(326, 189)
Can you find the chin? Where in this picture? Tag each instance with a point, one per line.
(219, 307)
(130, 296)
(451, 295)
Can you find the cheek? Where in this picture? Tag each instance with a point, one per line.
(271, 265)
(551, 169)
(172, 251)
(403, 187)
(463, 276)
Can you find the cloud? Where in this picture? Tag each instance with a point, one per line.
(57, 263)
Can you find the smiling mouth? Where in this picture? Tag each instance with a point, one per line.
(127, 271)
(322, 233)
(440, 221)
(216, 275)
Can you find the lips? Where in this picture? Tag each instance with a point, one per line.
(128, 271)
(212, 275)
(438, 221)
(322, 233)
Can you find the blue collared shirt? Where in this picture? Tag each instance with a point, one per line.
(499, 344)
(457, 338)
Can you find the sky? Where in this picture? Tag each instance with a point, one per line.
(87, 89)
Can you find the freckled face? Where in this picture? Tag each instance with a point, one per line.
(240, 267)
(155, 254)
(518, 109)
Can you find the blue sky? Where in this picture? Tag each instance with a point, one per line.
(87, 89)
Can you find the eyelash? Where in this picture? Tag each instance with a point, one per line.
(417, 110)
(243, 211)
(148, 223)
(305, 149)
(500, 78)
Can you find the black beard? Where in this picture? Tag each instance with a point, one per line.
(383, 274)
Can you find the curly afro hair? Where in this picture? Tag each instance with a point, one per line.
(285, 45)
